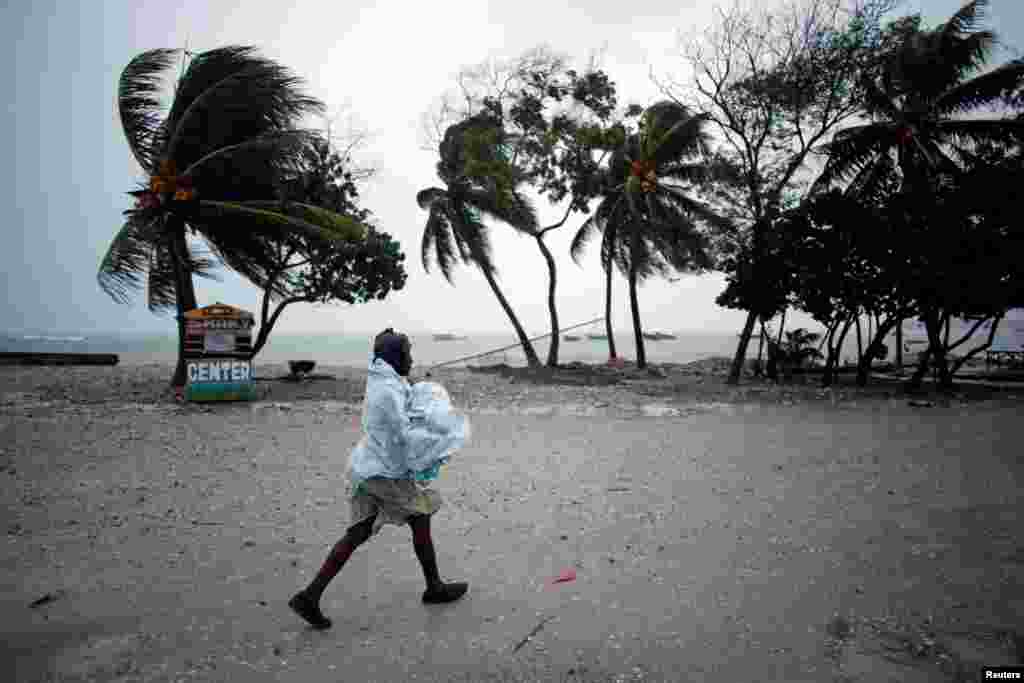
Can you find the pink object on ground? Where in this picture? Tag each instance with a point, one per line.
(566, 576)
(616, 362)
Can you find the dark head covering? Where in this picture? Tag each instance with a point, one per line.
(394, 349)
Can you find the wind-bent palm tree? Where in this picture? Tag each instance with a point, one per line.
(919, 101)
(923, 106)
(215, 161)
(647, 202)
(455, 230)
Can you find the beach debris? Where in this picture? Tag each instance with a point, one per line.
(839, 628)
(920, 404)
(47, 598)
(531, 634)
(618, 489)
(564, 577)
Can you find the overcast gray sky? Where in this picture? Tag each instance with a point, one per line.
(382, 63)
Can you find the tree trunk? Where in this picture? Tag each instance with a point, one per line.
(984, 347)
(641, 356)
(741, 349)
(531, 356)
(552, 310)
(874, 343)
(834, 354)
(860, 342)
(934, 327)
(184, 291)
(899, 346)
(608, 311)
(760, 352)
(267, 324)
(931, 324)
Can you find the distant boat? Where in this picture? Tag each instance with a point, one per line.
(570, 337)
(447, 337)
(597, 337)
(658, 336)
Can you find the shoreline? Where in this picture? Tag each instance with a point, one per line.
(583, 387)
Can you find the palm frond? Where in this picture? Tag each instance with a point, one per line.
(230, 95)
(695, 208)
(878, 103)
(686, 137)
(161, 295)
(425, 198)
(278, 219)
(244, 235)
(128, 257)
(276, 144)
(965, 56)
(583, 235)
(438, 234)
(853, 149)
(137, 102)
(509, 207)
(999, 132)
(965, 20)
(875, 182)
(1000, 84)
(427, 241)
(693, 173)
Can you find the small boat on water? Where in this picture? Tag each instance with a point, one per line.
(658, 336)
(570, 337)
(598, 337)
(447, 337)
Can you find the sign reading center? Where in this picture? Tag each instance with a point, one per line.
(219, 371)
(218, 354)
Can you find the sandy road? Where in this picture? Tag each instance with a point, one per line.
(789, 543)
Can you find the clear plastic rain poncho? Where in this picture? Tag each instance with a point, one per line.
(409, 432)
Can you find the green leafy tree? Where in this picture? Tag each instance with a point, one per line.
(558, 125)
(214, 160)
(312, 269)
(775, 83)
(927, 102)
(661, 167)
(796, 351)
(455, 230)
(923, 103)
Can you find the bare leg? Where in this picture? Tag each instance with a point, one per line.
(422, 542)
(306, 603)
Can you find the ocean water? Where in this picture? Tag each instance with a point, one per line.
(354, 349)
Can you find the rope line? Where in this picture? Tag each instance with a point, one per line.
(512, 346)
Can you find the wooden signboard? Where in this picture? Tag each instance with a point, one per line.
(218, 346)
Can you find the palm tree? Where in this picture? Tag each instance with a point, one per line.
(918, 101)
(455, 229)
(654, 216)
(611, 212)
(214, 162)
(923, 105)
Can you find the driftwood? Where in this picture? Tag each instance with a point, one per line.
(531, 634)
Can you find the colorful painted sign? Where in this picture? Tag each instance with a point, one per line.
(219, 379)
(217, 354)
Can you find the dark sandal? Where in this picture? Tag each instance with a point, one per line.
(309, 610)
(448, 592)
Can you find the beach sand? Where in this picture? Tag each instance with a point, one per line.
(717, 533)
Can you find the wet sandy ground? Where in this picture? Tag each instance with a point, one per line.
(717, 542)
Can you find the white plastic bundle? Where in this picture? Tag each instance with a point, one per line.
(408, 432)
(435, 429)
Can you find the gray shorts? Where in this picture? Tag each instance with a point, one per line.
(393, 501)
